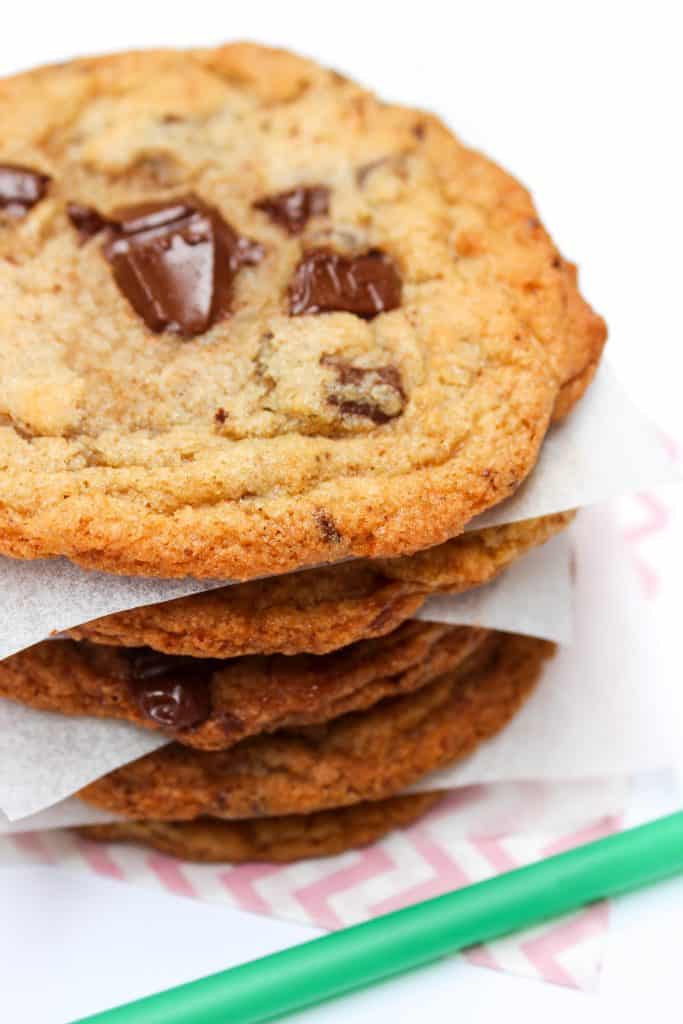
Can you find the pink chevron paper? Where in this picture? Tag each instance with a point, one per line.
(406, 867)
(651, 517)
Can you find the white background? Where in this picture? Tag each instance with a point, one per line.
(582, 102)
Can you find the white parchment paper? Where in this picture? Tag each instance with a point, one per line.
(533, 597)
(65, 814)
(603, 706)
(592, 715)
(565, 731)
(605, 448)
(44, 757)
(496, 809)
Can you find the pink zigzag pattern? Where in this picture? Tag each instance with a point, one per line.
(98, 859)
(171, 875)
(543, 950)
(656, 520)
(240, 881)
(446, 875)
(315, 896)
(493, 851)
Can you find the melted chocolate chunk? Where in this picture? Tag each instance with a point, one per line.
(87, 220)
(292, 210)
(325, 282)
(176, 262)
(376, 393)
(21, 188)
(175, 692)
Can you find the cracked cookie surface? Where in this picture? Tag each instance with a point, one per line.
(269, 436)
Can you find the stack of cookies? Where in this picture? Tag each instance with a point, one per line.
(258, 326)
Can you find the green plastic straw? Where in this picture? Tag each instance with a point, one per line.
(343, 961)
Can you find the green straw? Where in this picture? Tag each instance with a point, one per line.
(304, 975)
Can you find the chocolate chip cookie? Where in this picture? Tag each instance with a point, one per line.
(211, 704)
(363, 755)
(283, 839)
(255, 319)
(321, 609)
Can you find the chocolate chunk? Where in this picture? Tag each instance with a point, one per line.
(175, 692)
(325, 282)
(86, 219)
(376, 393)
(327, 526)
(21, 188)
(292, 210)
(176, 261)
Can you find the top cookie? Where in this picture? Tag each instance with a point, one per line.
(252, 319)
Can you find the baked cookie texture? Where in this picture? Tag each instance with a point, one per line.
(365, 755)
(213, 705)
(321, 609)
(279, 840)
(252, 434)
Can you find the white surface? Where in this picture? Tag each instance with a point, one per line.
(77, 944)
(582, 103)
